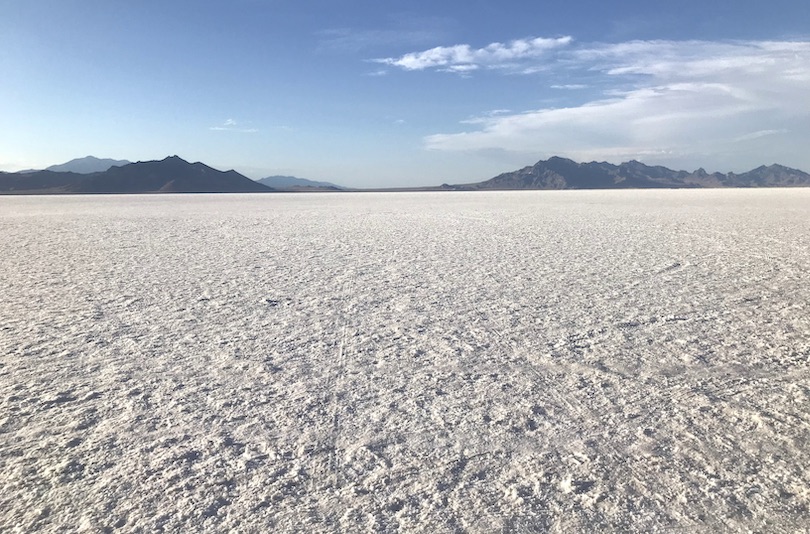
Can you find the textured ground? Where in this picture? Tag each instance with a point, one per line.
(628, 361)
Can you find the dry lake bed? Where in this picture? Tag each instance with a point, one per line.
(625, 361)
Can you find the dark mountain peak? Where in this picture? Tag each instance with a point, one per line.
(558, 162)
(634, 164)
(558, 159)
(775, 167)
(170, 160)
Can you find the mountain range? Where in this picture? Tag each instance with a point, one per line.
(170, 175)
(175, 175)
(291, 183)
(561, 173)
(87, 165)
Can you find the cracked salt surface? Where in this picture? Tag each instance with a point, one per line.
(628, 361)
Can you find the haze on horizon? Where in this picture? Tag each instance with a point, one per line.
(366, 95)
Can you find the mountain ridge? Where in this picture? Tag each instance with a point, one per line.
(563, 173)
(293, 183)
(170, 175)
(87, 165)
(175, 175)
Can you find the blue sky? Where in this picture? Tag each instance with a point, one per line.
(391, 93)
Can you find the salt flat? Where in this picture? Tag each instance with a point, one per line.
(624, 361)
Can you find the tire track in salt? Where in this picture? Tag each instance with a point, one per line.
(337, 369)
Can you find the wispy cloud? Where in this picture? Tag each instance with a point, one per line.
(230, 125)
(664, 101)
(464, 58)
(757, 135)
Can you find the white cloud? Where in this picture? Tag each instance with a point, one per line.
(757, 135)
(722, 103)
(230, 125)
(463, 58)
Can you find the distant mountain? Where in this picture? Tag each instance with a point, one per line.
(175, 175)
(87, 165)
(561, 173)
(171, 175)
(291, 183)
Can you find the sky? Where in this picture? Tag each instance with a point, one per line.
(389, 93)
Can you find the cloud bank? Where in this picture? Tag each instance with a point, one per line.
(464, 58)
(670, 102)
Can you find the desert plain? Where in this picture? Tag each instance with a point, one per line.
(558, 361)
